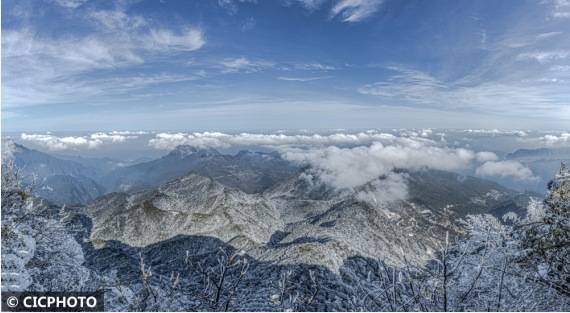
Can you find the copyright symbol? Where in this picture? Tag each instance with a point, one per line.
(12, 302)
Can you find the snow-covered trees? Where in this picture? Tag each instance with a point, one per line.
(518, 265)
(38, 253)
(487, 272)
(523, 264)
(545, 240)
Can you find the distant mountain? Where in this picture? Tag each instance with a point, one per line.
(251, 172)
(103, 165)
(301, 219)
(79, 180)
(539, 154)
(67, 189)
(57, 180)
(190, 205)
(544, 163)
(464, 195)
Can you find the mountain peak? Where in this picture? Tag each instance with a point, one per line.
(184, 151)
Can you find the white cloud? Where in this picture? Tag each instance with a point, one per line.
(165, 40)
(113, 20)
(346, 10)
(513, 97)
(355, 10)
(556, 139)
(513, 169)
(60, 143)
(71, 4)
(485, 156)
(128, 83)
(497, 132)
(216, 140)
(314, 67)
(548, 34)
(426, 132)
(138, 30)
(95, 140)
(115, 138)
(392, 187)
(242, 64)
(57, 69)
(549, 138)
(129, 132)
(352, 167)
(545, 56)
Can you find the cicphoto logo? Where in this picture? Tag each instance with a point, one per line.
(53, 301)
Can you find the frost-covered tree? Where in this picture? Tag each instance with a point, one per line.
(486, 272)
(38, 253)
(545, 239)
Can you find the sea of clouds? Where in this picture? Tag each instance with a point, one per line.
(343, 160)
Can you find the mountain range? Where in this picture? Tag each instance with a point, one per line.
(300, 221)
(190, 212)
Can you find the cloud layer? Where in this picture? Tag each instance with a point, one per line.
(513, 169)
(95, 140)
(563, 138)
(353, 167)
(368, 161)
(169, 141)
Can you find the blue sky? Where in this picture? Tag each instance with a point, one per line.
(245, 65)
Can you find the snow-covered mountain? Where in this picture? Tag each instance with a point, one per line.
(189, 205)
(249, 171)
(301, 219)
(57, 180)
(300, 245)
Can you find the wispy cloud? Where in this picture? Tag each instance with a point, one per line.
(165, 40)
(348, 11)
(71, 4)
(40, 69)
(355, 10)
(497, 132)
(545, 56)
(314, 67)
(512, 97)
(243, 64)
